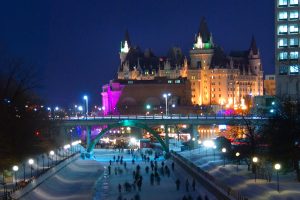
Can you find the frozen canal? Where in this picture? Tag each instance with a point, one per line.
(89, 179)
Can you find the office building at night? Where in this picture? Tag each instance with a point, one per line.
(287, 49)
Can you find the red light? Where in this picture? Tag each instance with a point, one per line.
(37, 133)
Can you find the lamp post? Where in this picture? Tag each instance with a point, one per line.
(43, 158)
(15, 168)
(30, 162)
(166, 95)
(224, 151)
(37, 166)
(254, 160)
(52, 155)
(237, 154)
(66, 147)
(277, 167)
(86, 98)
(214, 148)
(24, 172)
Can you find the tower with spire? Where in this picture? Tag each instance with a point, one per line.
(125, 47)
(201, 55)
(212, 76)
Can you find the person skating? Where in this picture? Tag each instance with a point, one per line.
(173, 166)
(152, 178)
(109, 170)
(187, 185)
(194, 184)
(147, 169)
(120, 188)
(177, 184)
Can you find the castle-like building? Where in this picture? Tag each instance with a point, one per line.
(214, 77)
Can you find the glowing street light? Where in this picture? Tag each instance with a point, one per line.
(30, 162)
(224, 151)
(15, 168)
(51, 153)
(166, 95)
(277, 167)
(237, 155)
(148, 106)
(86, 98)
(254, 160)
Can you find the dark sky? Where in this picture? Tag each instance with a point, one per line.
(75, 43)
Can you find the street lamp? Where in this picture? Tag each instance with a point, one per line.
(30, 162)
(166, 95)
(237, 154)
(254, 160)
(43, 158)
(66, 147)
(224, 151)
(277, 167)
(214, 148)
(24, 172)
(85, 97)
(52, 154)
(15, 168)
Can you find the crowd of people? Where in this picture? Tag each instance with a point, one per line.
(155, 169)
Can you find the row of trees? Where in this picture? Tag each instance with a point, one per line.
(24, 128)
(278, 140)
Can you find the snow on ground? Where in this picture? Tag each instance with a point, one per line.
(75, 181)
(89, 179)
(108, 189)
(243, 180)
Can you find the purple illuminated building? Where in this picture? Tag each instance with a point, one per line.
(110, 96)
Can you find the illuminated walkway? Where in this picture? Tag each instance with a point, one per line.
(87, 179)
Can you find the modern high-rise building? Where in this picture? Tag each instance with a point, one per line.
(287, 49)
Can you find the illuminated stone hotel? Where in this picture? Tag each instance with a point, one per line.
(209, 76)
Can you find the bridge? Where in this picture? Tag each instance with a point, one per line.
(146, 122)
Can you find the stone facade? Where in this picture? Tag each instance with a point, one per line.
(214, 78)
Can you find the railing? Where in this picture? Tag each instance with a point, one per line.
(22, 190)
(220, 189)
(166, 117)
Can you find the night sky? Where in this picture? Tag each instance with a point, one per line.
(75, 43)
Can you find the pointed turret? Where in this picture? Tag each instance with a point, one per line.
(203, 31)
(253, 46)
(254, 57)
(203, 39)
(127, 38)
(126, 43)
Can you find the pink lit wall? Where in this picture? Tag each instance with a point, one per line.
(110, 96)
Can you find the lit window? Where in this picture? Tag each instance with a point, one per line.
(294, 55)
(294, 14)
(282, 15)
(282, 2)
(282, 29)
(283, 70)
(294, 69)
(283, 55)
(293, 2)
(170, 81)
(177, 81)
(294, 42)
(282, 42)
(294, 28)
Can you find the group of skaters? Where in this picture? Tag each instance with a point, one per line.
(156, 171)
